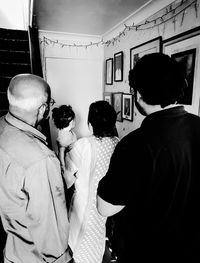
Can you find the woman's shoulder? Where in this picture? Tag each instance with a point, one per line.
(82, 142)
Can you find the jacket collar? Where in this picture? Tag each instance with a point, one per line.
(21, 125)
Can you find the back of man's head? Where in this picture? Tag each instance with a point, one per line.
(158, 78)
(26, 92)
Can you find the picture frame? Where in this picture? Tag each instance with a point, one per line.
(187, 61)
(185, 48)
(151, 46)
(109, 71)
(107, 96)
(127, 106)
(118, 66)
(117, 104)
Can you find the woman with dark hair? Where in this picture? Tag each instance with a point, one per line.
(86, 163)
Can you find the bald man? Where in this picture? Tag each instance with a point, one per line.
(32, 201)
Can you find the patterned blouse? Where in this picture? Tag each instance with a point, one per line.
(90, 158)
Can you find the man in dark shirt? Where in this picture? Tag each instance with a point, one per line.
(154, 176)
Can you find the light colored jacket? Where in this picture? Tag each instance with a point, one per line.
(32, 200)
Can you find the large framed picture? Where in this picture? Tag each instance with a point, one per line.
(151, 46)
(118, 66)
(185, 49)
(109, 71)
(127, 106)
(107, 96)
(117, 104)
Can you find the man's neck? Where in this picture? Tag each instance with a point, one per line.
(154, 108)
(23, 118)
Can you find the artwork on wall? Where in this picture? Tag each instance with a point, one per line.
(185, 48)
(118, 66)
(109, 71)
(117, 104)
(127, 106)
(187, 61)
(151, 46)
(107, 96)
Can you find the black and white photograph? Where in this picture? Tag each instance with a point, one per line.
(99, 145)
(185, 48)
(109, 71)
(117, 104)
(151, 46)
(186, 59)
(118, 66)
(127, 106)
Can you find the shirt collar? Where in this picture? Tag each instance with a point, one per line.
(164, 114)
(20, 124)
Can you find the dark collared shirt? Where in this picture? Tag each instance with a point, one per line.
(155, 173)
(32, 200)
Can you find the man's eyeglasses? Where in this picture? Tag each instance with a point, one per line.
(52, 102)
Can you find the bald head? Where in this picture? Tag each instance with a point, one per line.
(27, 92)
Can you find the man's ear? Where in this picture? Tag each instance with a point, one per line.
(42, 108)
(42, 111)
(138, 96)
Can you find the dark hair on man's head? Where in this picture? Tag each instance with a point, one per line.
(102, 116)
(62, 116)
(158, 78)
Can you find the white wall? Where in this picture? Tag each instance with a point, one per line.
(14, 14)
(75, 75)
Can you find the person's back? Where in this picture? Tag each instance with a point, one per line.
(160, 211)
(86, 164)
(32, 201)
(160, 220)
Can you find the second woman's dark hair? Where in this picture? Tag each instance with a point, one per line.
(102, 116)
(62, 116)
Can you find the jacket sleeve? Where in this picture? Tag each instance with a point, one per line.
(46, 213)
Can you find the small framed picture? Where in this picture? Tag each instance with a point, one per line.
(118, 66)
(127, 106)
(107, 96)
(109, 71)
(117, 104)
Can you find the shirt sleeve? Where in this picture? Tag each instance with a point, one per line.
(46, 212)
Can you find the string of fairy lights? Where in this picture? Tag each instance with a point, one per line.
(171, 12)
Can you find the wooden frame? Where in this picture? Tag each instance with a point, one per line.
(117, 104)
(118, 66)
(185, 48)
(109, 71)
(107, 96)
(127, 106)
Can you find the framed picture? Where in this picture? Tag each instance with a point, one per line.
(118, 66)
(185, 49)
(107, 96)
(151, 46)
(127, 106)
(117, 104)
(109, 71)
(187, 61)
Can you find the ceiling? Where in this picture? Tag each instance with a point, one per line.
(91, 17)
